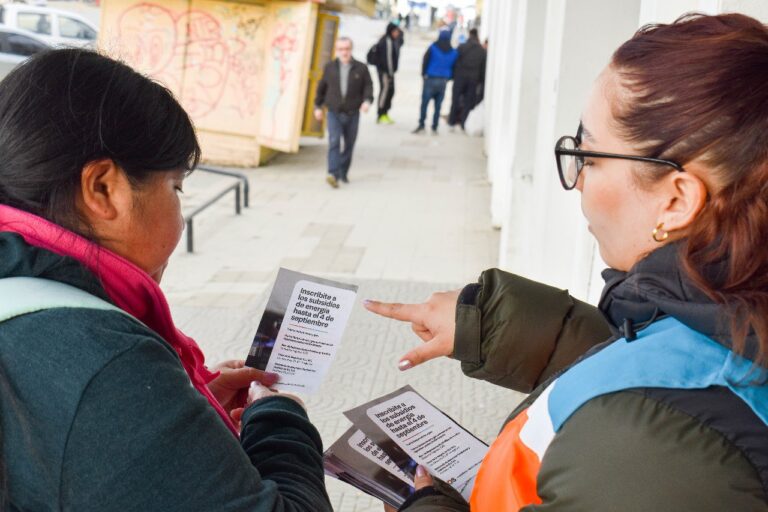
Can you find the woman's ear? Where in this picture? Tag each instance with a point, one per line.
(105, 192)
(685, 195)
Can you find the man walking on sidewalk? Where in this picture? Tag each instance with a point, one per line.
(468, 78)
(346, 90)
(437, 69)
(387, 57)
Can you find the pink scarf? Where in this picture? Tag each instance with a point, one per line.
(129, 287)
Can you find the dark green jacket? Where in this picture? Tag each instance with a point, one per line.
(635, 450)
(99, 414)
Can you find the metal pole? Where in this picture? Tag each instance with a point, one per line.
(237, 200)
(190, 236)
(240, 176)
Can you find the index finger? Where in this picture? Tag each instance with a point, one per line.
(394, 310)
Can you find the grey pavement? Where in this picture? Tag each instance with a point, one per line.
(413, 220)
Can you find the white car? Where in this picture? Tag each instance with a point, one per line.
(15, 46)
(54, 26)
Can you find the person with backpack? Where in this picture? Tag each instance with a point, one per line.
(436, 69)
(106, 404)
(385, 55)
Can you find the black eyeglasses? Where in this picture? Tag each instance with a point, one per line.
(570, 159)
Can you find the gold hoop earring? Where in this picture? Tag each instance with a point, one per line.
(657, 233)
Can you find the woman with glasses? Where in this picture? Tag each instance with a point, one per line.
(658, 398)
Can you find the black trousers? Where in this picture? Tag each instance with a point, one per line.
(386, 92)
(464, 100)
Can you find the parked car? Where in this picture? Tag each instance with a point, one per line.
(54, 26)
(33, 2)
(15, 46)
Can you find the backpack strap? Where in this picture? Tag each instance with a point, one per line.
(23, 295)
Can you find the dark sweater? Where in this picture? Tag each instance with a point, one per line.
(98, 414)
(359, 87)
(471, 62)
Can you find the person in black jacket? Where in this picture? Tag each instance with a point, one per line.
(346, 89)
(387, 56)
(469, 75)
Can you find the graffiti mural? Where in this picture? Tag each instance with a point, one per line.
(240, 69)
(287, 74)
(210, 55)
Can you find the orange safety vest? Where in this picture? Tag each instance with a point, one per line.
(507, 478)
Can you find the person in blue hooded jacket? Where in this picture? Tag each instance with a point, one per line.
(437, 70)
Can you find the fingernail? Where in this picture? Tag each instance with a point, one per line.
(420, 471)
(404, 365)
(367, 302)
(255, 385)
(271, 377)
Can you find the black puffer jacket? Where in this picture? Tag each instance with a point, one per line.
(635, 450)
(471, 62)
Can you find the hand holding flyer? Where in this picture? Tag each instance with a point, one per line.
(431, 438)
(301, 329)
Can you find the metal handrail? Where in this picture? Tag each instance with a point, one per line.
(242, 177)
(243, 180)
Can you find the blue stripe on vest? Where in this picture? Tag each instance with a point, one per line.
(667, 354)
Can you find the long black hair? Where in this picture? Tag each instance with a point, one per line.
(64, 108)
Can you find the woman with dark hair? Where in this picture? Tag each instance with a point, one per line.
(105, 404)
(670, 412)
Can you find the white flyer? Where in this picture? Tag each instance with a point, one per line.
(428, 437)
(301, 329)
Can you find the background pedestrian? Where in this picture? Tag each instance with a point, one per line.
(346, 89)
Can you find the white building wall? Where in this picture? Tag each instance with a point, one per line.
(755, 8)
(502, 53)
(500, 165)
(544, 56)
(522, 140)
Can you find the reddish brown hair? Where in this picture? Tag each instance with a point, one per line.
(698, 90)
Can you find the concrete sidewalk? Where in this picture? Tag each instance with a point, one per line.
(413, 220)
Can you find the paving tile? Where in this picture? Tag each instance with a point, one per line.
(315, 229)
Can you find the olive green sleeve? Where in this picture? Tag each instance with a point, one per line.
(443, 498)
(515, 332)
